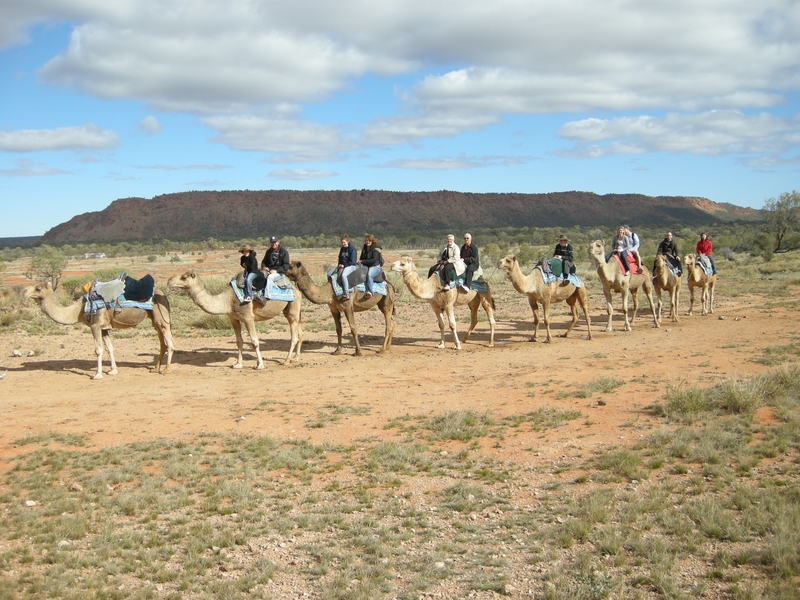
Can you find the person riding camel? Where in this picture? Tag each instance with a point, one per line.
(372, 259)
(346, 264)
(450, 264)
(249, 263)
(619, 247)
(634, 246)
(669, 249)
(704, 248)
(469, 254)
(564, 252)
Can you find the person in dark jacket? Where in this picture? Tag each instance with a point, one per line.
(276, 260)
(469, 254)
(346, 264)
(669, 248)
(564, 252)
(249, 263)
(372, 259)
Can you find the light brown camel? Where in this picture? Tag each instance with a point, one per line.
(665, 279)
(227, 304)
(323, 294)
(697, 278)
(539, 292)
(443, 302)
(104, 320)
(613, 278)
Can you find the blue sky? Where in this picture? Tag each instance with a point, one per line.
(104, 100)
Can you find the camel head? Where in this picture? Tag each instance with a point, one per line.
(598, 248)
(296, 271)
(38, 291)
(404, 265)
(689, 260)
(187, 281)
(661, 263)
(508, 263)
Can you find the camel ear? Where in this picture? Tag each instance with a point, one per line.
(191, 273)
(48, 285)
(298, 264)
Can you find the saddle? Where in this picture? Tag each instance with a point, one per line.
(259, 282)
(139, 289)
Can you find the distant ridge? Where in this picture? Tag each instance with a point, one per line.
(19, 242)
(242, 214)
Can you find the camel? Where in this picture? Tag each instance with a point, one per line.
(442, 302)
(323, 294)
(538, 291)
(613, 278)
(228, 304)
(697, 278)
(104, 320)
(665, 279)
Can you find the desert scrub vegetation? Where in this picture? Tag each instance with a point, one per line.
(706, 504)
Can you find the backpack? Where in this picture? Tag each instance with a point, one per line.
(380, 256)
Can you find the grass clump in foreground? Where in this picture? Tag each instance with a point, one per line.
(706, 505)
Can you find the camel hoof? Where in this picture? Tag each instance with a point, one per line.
(112, 372)
(259, 367)
(440, 346)
(237, 366)
(337, 351)
(490, 345)
(98, 376)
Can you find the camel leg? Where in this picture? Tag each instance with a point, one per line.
(440, 318)
(250, 324)
(166, 343)
(573, 309)
(351, 320)
(451, 319)
(585, 306)
(535, 309)
(658, 302)
(237, 330)
(628, 323)
(389, 331)
(647, 288)
(487, 306)
(295, 334)
(691, 300)
(106, 335)
(474, 304)
(99, 340)
(711, 299)
(635, 294)
(546, 317)
(610, 308)
(337, 320)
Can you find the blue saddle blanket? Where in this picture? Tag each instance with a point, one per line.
(377, 287)
(550, 278)
(479, 285)
(705, 264)
(273, 293)
(92, 305)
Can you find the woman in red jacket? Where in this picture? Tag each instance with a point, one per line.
(704, 247)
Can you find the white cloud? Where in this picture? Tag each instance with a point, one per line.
(84, 137)
(709, 133)
(288, 139)
(301, 174)
(150, 125)
(446, 163)
(31, 172)
(183, 167)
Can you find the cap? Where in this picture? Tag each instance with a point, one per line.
(273, 239)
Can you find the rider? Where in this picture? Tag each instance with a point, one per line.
(346, 265)
(249, 263)
(564, 252)
(450, 264)
(704, 247)
(634, 247)
(620, 245)
(469, 254)
(372, 259)
(669, 248)
(276, 261)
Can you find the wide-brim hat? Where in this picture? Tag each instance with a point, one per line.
(563, 237)
(244, 249)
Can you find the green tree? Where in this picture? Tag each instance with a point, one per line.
(782, 217)
(47, 264)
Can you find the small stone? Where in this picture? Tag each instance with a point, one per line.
(722, 317)
(30, 503)
(31, 353)
(16, 352)
(439, 565)
(63, 543)
(75, 487)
